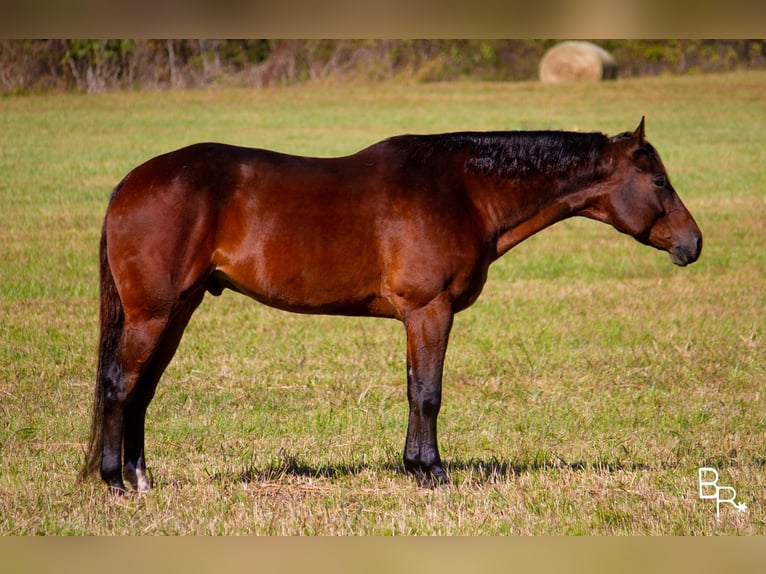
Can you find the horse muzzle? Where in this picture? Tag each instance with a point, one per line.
(688, 251)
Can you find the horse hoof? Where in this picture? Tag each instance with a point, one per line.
(436, 477)
(137, 479)
(117, 491)
(440, 476)
(431, 477)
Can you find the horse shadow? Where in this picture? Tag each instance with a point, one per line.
(478, 470)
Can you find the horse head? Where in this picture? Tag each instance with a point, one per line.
(640, 201)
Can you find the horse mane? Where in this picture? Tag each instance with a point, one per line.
(517, 154)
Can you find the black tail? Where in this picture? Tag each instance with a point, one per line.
(112, 319)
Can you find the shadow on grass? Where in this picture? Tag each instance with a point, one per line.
(489, 470)
(494, 469)
(289, 466)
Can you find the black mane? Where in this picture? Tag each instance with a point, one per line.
(518, 153)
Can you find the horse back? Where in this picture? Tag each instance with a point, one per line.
(329, 235)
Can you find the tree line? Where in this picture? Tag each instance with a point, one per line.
(96, 65)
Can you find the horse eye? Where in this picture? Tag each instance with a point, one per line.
(660, 182)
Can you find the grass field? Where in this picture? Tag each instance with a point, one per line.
(582, 391)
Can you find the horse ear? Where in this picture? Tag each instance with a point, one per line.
(640, 134)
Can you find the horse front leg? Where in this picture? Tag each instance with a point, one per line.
(428, 331)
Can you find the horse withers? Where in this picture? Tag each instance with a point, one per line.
(405, 229)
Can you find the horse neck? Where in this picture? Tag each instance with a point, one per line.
(515, 210)
(522, 182)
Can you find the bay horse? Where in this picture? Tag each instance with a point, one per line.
(404, 229)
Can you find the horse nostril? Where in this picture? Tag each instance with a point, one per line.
(698, 244)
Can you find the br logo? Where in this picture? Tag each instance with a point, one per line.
(709, 489)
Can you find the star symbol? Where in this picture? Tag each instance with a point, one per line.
(742, 507)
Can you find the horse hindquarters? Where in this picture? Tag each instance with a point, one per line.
(143, 316)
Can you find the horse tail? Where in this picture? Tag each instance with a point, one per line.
(112, 318)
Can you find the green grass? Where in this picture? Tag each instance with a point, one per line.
(582, 391)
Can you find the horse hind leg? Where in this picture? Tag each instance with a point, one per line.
(134, 466)
(128, 380)
(129, 386)
(122, 381)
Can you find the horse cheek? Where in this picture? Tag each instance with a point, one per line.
(660, 235)
(637, 211)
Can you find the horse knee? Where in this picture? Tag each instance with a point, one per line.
(426, 402)
(431, 405)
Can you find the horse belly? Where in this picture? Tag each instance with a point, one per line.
(304, 269)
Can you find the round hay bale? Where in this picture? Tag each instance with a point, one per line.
(577, 62)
